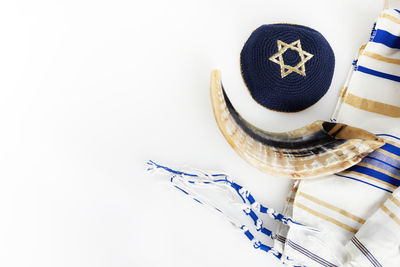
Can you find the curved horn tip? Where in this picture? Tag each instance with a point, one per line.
(215, 75)
(375, 143)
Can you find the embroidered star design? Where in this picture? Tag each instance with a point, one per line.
(300, 68)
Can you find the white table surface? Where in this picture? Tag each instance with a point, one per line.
(91, 90)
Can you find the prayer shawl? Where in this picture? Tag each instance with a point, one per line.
(357, 211)
(348, 219)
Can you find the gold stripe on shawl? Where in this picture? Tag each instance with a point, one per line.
(342, 92)
(325, 217)
(382, 58)
(370, 178)
(390, 17)
(361, 49)
(375, 168)
(387, 153)
(332, 207)
(372, 106)
(391, 214)
(394, 200)
(290, 199)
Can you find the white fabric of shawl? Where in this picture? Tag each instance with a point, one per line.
(377, 242)
(357, 211)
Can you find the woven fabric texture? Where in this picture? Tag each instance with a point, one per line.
(287, 67)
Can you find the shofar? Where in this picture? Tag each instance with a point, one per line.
(319, 149)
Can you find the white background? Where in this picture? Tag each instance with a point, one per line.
(91, 90)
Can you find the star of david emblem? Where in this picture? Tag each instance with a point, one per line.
(300, 68)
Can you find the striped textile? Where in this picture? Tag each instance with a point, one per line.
(357, 210)
(377, 242)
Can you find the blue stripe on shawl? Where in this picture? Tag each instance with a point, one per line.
(378, 73)
(382, 158)
(309, 254)
(386, 38)
(366, 252)
(364, 182)
(382, 165)
(391, 148)
(389, 135)
(375, 174)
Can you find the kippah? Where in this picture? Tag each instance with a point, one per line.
(287, 67)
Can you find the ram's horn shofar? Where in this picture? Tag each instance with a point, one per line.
(321, 148)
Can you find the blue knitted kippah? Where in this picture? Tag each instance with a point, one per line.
(287, 67)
